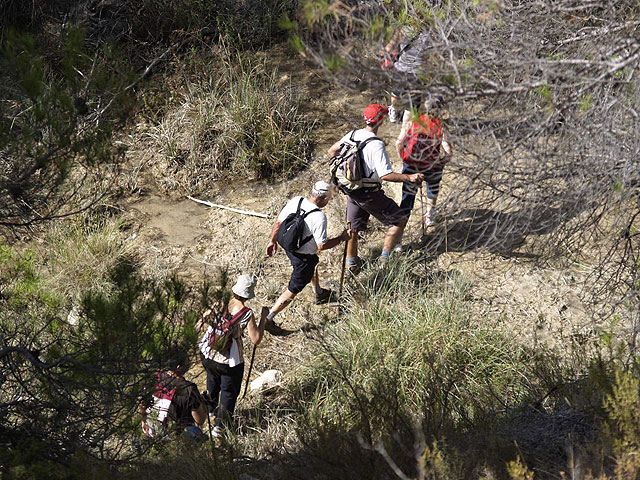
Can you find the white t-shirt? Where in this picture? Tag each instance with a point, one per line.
(315, 224)
(376, 159)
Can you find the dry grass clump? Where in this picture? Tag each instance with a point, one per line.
(80, 254)
(234, 119)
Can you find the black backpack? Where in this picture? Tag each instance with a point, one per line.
(347, 169)
(290, 235)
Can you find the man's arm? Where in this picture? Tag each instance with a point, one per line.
(334, 149)
(332, 242)
(403, 177)
(272, 247)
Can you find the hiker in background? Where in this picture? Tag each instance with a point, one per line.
(301, 230)
(371, 200)
(423, 148)
(405, 55)
(174, 400)
(221, 349)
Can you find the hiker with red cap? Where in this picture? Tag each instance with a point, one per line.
(422, 145)
(365, 197)
(301, 231)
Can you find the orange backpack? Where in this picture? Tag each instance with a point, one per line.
(421, 146)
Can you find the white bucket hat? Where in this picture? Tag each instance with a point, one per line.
(244, 286)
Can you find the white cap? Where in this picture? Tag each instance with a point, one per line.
(320, 189)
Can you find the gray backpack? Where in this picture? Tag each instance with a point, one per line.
(347, 167)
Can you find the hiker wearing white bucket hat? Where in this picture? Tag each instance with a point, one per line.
(221, 349)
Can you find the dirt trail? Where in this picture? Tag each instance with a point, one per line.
(193, 239)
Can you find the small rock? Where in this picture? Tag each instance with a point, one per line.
(269, 380)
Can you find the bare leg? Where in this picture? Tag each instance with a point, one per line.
(352, 245)
(285, 299)
(315, 283)
(393, 236)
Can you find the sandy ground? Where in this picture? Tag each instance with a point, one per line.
(538, 304)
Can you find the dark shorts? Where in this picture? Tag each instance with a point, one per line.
(432, 178)
(363, 204)
(304, 266)
(410, 99)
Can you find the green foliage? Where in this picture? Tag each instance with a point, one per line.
(408, 357)
(622, 427)
(407, 345)
(57, 144)
(74, 380)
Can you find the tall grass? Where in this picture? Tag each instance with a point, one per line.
(81, 252)
(235, 119)
(408, 355)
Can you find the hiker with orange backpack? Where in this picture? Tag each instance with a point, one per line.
(221, 349)
(422, 145)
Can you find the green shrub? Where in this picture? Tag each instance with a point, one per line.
(405, 367)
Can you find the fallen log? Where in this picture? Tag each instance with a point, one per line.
(235, 210)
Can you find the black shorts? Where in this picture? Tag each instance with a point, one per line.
(304, 266)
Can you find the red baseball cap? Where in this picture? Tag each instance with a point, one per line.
(374, 114)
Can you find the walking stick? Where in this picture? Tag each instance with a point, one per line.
(209, 418)
(246, 385)
(344, 263)
(422, 209)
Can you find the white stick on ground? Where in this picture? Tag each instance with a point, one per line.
(243, 212)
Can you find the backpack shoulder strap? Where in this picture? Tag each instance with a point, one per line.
(310, 211)
(370, 139)
(239, 315)
(299, 206)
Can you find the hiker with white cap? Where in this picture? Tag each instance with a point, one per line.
(301, 230)
(221, 349)
(369, 199)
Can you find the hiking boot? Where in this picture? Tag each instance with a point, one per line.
(397, 248)
(393, 115)
(324, 295)
(216, 432)
(383, 262)
(356, 267)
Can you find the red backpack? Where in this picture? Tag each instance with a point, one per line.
(222, 330)
(157, 414)
(421, 146)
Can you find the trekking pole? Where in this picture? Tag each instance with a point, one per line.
(344, 263)
(422, 209)
(246, 385)
(208, 417)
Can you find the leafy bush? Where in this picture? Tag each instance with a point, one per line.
(71, 383)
